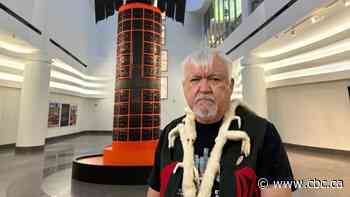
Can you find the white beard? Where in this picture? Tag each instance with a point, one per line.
(206, 112)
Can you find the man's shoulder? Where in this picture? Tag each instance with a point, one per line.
(268, 129)
(165, 132)
(173, 124)
(255, 122)
(245, 112)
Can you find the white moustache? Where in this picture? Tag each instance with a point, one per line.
(204, 97)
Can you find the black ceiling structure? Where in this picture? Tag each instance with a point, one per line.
(174, 9)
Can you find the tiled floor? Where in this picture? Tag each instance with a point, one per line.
(314, 165)
(49, 173)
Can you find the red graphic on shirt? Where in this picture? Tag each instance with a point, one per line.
(165, 176)
(246, 183)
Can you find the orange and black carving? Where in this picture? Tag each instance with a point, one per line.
(137, 90)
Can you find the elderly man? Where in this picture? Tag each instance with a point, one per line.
(220, 147)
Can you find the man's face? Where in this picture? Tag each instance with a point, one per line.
(208, 90)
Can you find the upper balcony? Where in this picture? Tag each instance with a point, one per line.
(223, 17)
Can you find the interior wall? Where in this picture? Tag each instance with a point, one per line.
(9, 113)
(178, 47)
(22, 8)
(315, 115)
(105, 38)
(94, 43)
(85, 118)
(105, 64)
(70, 24)
(181, 40)
(9, 110)
(262, 14)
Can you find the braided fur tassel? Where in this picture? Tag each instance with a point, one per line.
(187, 132)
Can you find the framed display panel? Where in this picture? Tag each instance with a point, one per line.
(64, 115)
(73, 115)
(163, 30)
(164, 60)
(164, 87)
(54, 115)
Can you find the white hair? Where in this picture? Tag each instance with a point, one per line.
(205, 57)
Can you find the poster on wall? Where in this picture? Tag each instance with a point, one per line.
(54, 115)
(162, 36)
(64, 115)
(73, 115)
(164, 60)
(164, 87)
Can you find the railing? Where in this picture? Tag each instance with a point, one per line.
(223, 17)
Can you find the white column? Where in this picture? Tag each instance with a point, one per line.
(33, 112)
(246, 8)
(32, 125)
(254, 87)
(39, 11)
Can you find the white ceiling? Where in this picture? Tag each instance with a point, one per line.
(309, 52)
(305, 35)
(199, 6)
(11, 42)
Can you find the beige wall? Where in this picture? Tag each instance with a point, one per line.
(97, 114)
(85, 116)
(313, 114)
(9, 113)
(9, 109)
(181, 40)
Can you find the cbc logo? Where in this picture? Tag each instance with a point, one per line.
(263, 183)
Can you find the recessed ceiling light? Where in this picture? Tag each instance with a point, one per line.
(323, 69)
(17, 48)
(347, 3)
(333, 49)
(10, 77)
(293, 33)
(11, 63)
(316, 19)
(62, 65)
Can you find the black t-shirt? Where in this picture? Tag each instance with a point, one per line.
(206, 134)
(272, 161)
